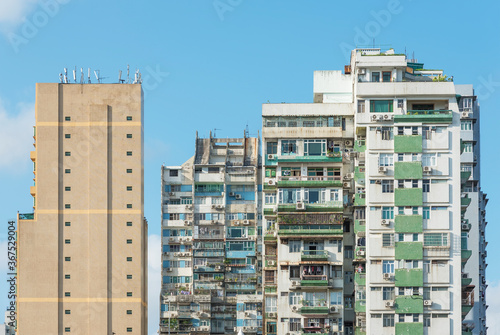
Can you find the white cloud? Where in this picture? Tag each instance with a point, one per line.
(16, 137)
(493, 311)
(154, 282)
(13, 12)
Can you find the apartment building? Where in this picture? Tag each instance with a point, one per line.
(82, 253)
(211, 240)
(368, 223)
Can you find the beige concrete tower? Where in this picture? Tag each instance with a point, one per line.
(82, 254)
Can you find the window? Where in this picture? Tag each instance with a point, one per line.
(429, 160)
(426, 133)
(129, 188)
(427, 320)
(387, 133)
(129, 330)
(67, 224)
(295, 298)
(387, 213)
(67, 153)
(348, 252)
(466, 125)
(294, 270)
(361, 106)
(129, 135)
(67, 294)
(129, 241)
(388, 293)
(129, 170)
(426, 186)
(271, 305)
(129, 205)
(376, 76)
(288, 147)
(67, 259)
(68, 311)
(129, 259)
(129, 311)
(294, 325)
(435, 239)
(400, 103)
(67, 329)
(129, 118)
(388, 320)
(67, 118)
(67, 188)
(129, 153)
(129, 224)
(129, 276)
(467, 146)
(314, 147)
(387, 266)
(387, 186)
(129, 294)
(294, 246)
(67, 171)
(386, 160)
(386, 76)
(67, 135)
(67, 276)
(272, 148)
(388, 240)
(426, 213)
(67, 206)
(67, 241)
(270, 198)
(381, 106)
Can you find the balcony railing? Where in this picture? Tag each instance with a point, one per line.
(314, 255)
(309, 181)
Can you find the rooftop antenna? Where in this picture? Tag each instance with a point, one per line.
(82, 76)
(97, 74)
(128, 74)
(247, 131)
(120, 80)
(74, 75)
(138, 77)
(215, 130)
(65, 75)
(61, 78)
(88, 76)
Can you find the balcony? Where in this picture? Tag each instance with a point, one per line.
(328, 206)
(360, 279)
(466, 255)
(314, 255)
(467, 302)
(409, 250)
(408, 170)
(466, 280)
(408, 197)
(409, 277)
(466, 226)
(314, 310)
(314, 281)
(359, 174)
(425, 116)
(407, 143)
(409, 304)
(334, 157)
(310, 232)
(360, 199)
(360, 227)
(408, 224)
(360, 145)
(270, 238)
(308, 181)
(413, 328)
(464, 176)
(360, 306)
(465, 201)
(360, 253)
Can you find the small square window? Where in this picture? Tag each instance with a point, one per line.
(67, 224)
(67, 118)
(129, 170)
(68, 311)
(129, 259)
(67, 188)
(67, 206)
(67, 171)
(129, 311)
(67, 241)
(129, 135)
(129, 294)
(129, 153)
(129, 118)
(67, 276)
(67, 259)
(129, 188)
(129, 276)
(129, 330)
(129, 224)
(129, 241)
(67, 330)
(129, 205)
(67, 135)
(67, 153)
(67, 294)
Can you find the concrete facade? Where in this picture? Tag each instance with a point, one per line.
(82, 254)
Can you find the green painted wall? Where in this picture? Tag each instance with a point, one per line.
(408, 224)
(408, 197)
(408, 170)
(409, 277)
(407, 143)
(410, 304)
(409, 328)
(409, 250)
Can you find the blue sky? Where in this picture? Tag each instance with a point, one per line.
(211, 64)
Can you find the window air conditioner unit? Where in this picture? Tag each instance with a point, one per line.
(374, 117)
(349, 176)
(235, 329)
(382, 169)
(300, 206)
(270, 156)
(427, 302)
(171, 239)
(427, 169)
(360, 253)
(361, 155)
(187, 223)
(189, 206)
(237, 196)
(295, 308)
(386, 276)
(220, 206)
(271, 182)
(465, 226)
(271, 263)
(228, 269)
(333, 309)
(389, 303)
(176, 254)
(295, 283)
(236, 223)
(465, 114)
(172, 193)
(247, 314)
(361, 71)
(387, 117)
(385, 222)
(348, 143)
(246, 222)
(213, 206)
(346, 185)
(231, 194)
(169, 269)
(272, 315)
(378, 181)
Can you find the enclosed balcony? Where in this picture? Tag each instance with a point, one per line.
(327, 206)
(413, 328)
(408, 197)
(425, 116)
(314, 255)
(360, 199)
(409, 277)
(407, 143)
(409, 304)
(309, 181)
